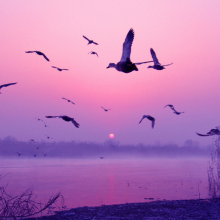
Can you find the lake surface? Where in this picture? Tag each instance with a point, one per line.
(94, 182)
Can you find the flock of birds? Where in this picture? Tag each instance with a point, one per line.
(124, 65)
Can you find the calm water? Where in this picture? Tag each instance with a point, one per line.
(96, 182)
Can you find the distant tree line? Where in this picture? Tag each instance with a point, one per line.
(10, 147)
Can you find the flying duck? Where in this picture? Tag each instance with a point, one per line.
(69, 101)
(150, 118)
(59, 69)
(125, 65)
(38, 53)
(65, 118)
(157, 65)
(90, 41)
(92, 52)
(105, 109)
(48, 137)
(174, 110)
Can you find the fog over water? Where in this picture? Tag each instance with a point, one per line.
(93, 174)
(10, 147)
(95, 182)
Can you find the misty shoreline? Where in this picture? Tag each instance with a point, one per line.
(10, 147)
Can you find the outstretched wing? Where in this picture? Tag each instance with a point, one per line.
(153, 54)
(126, 52)
(30, 51)
(144, 116)
(86, 38)
(54, 67)
(169, 106)
(168, 64)
(9, 84)
(143, 62)
(75, 123)
(45, 57)
(202, 134)
(172, 107)
(52, 116)
(153, 123)
(94, 43)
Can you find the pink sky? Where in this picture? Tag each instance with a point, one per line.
(186, 33)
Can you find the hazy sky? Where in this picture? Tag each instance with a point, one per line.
(186, 33)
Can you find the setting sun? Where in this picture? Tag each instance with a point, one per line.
(111, 135)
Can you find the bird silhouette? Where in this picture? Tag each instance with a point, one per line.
(150, 118)
(174, 110)
(48, 137)
(65, 118)
(157, 65)
(125, 65)
(32, 140)
(38, 53)
(6, 85)
(59, 69)
(42, 122)
(101, 157)
(105, 109)
(215, 131)
(18, 154)
(92, 52)
(178, 113)
(90, 41)
(69, 101)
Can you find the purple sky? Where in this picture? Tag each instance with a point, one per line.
(186, 33)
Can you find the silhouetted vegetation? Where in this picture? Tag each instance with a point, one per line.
(23, 205)
(214, 169)
(10, 147)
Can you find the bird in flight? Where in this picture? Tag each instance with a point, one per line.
(18, 154)
(69, 101)
(48, 137)
(65, 118)
(150, 118)
(5, 85)
(38, 53)
(92, 52)
(59, 69)
(105, 109)
(125, 65)
(174, 110)
(42, 122)
(90, 41)
(215, 131)
(157, 65)
(177, 113)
